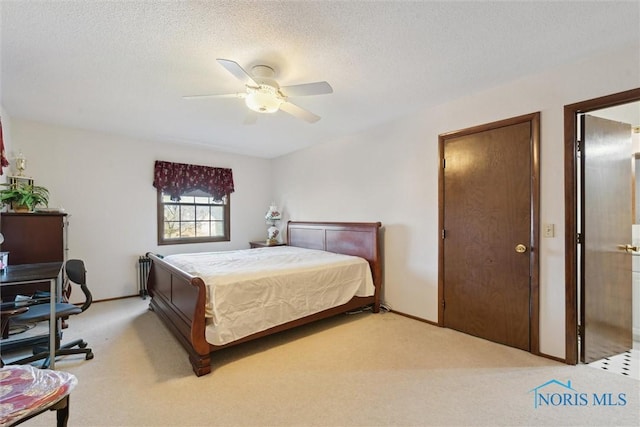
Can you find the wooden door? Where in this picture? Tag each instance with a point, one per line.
(489, 201)
(606, 306)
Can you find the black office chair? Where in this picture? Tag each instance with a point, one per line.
(76, 274)
(5, 314)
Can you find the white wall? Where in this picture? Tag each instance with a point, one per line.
(105, 183)
(390, 174)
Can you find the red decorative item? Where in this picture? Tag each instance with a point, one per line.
(26, 391)
(179, 178)
(3, 158)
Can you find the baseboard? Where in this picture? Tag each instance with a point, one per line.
(117, 298)
(419, 319)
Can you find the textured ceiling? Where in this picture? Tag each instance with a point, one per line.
(123, 66)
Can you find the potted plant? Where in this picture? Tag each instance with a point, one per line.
(24, 197)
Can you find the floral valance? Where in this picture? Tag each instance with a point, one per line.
(176, 179)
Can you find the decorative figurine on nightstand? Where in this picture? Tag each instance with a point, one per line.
(273, 215)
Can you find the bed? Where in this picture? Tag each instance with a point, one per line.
(180, 297)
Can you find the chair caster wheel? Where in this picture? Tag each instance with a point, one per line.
(83, 344)
(89, 356)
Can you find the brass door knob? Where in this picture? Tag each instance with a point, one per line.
(520, 248)
(628, 248)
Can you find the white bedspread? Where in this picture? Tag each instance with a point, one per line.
(253, 290)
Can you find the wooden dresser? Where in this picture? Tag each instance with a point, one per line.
(32, 238)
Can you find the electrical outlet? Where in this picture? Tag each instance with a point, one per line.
(548, 230)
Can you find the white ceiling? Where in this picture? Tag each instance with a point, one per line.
(122, 66)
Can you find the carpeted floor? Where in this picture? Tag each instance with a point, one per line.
(352, 370)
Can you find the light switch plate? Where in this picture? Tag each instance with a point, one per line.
(548, 230)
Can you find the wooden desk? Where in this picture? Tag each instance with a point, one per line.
(33, 273)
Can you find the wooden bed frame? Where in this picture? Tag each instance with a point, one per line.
(179, 298)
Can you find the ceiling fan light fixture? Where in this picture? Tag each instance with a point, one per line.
(264, 99)
(263, 94)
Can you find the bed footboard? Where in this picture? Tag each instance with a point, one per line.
(179, 300)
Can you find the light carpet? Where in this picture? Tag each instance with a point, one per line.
(351, 370)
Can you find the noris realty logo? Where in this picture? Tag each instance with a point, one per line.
(555, 393)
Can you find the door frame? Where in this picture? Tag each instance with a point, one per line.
(571, 112)
(534, 294)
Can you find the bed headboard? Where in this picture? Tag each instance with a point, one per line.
(350, 238)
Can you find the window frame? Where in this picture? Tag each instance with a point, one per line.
(183, 240)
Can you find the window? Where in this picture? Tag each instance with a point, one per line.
(196, 217)
(193, 203)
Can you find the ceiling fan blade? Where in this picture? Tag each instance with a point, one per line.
(299, 112)
(221, 95)
(239, 72)
(317, 88)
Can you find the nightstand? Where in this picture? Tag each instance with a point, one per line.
(264, 244)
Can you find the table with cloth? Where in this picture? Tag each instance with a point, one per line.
(26, 391)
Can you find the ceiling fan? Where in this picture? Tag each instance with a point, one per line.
(264, 95)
